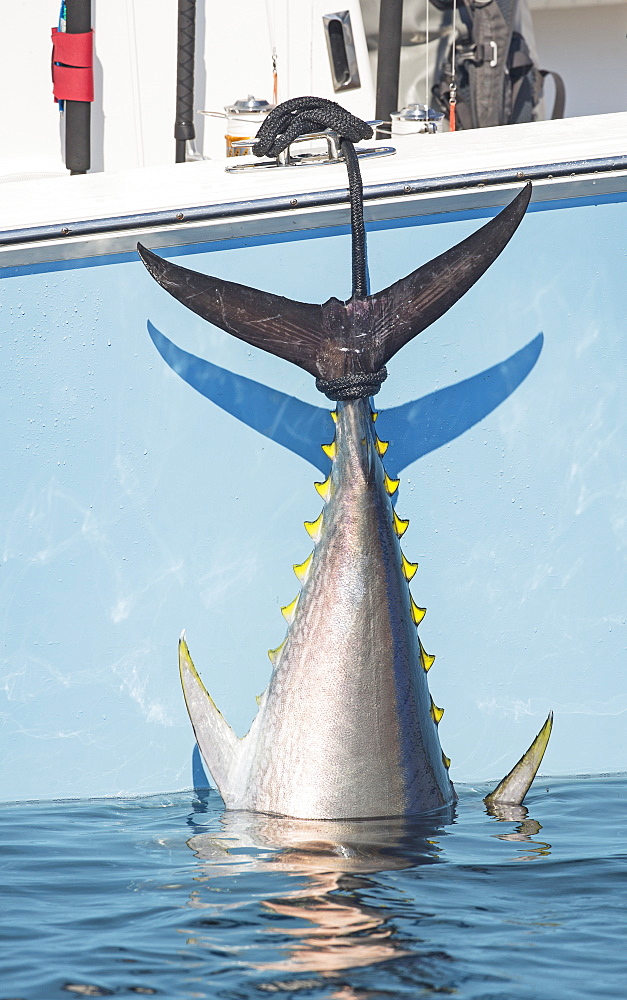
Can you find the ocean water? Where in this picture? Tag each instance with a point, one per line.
(171, 896)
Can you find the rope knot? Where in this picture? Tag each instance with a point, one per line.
(302, 115)
(355, 386)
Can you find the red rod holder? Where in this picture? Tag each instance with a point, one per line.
(73, 79)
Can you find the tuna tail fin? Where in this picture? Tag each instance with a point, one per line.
(218, 743)
(413, 303)
(281, 326)
(340, 338)
(513, 788)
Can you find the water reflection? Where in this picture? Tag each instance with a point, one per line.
(525, 831)
(326, 912)
(322, 925)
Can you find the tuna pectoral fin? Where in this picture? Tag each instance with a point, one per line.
(218, 743)
(514, 787)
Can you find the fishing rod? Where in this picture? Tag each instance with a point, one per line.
(73, 80)
(184, 130)
(388, 62)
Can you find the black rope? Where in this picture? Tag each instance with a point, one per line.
(355, 386)
(358, 228)
(284, 124)
(302, 115)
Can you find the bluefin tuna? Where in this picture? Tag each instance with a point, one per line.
(347, 728)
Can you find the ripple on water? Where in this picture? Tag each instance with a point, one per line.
(171, 896)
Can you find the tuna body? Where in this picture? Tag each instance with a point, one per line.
(346, 728)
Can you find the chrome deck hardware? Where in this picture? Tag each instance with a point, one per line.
(416, 118)
(310, 158)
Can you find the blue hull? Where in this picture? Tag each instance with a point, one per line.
(158, 473)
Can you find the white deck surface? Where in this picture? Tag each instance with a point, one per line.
(25, 204)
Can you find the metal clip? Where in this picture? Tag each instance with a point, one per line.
(478, 54)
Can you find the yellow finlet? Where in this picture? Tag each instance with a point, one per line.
(314, 528)
(289, 610)
(330, 450)
(334, 416)
(446, 761)
(409, 568)
(417, 613)
(436, 713)
(381, 446)
(425, 658)
(391, 485)
(302, 569)
(273, 654)
(400, 526)
(324, 489)
(375, 414)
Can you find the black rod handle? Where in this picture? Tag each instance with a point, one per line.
(388, 63)
(77, 113)
(186, 48)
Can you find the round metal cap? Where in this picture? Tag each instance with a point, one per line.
(249, 105)
(418, 113)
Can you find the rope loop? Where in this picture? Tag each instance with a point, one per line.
(302, 115)
(355, 386)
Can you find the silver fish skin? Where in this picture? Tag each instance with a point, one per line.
(345, 729)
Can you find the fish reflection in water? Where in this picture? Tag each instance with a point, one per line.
(344, 933)
(524, 833)
(334, 856)
(328, 926)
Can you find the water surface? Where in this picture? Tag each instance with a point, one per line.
(171, 896)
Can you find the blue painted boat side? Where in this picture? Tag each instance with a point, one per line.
(134, 504)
